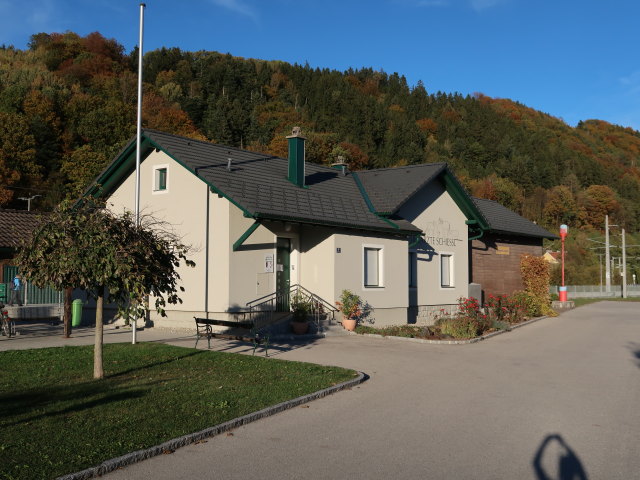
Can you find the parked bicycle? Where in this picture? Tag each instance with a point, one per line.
(8, 327)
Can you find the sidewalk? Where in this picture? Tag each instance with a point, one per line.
(43, 334)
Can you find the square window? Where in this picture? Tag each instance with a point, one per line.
(446, 270)
(161, 179)
(372, 264)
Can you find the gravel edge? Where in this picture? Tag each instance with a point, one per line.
(171, 445)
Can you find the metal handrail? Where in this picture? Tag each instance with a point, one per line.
(314, 297)
(319, 306)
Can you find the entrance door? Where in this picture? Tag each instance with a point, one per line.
(283, 274)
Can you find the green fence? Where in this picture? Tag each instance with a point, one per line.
(30, 294)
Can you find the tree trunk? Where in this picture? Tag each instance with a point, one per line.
(98, 372)
(67, 312)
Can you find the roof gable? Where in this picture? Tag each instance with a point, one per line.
(390, 188)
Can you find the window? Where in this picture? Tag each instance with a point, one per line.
(372, 266)
(160, 179)
(413, 269)
(446, 270)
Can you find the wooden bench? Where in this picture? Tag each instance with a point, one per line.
(204, 328)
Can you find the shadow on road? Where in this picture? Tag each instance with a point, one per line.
(555, 460)
(635, 351)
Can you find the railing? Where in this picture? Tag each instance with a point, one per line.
(32, 295)
(261, 310)
(597, 291)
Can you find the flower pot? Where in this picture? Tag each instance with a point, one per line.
(300, 328)
(349, 323)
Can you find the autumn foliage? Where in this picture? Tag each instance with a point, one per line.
(68, 105)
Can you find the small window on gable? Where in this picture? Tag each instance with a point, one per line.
(160, 179)
(446, 270)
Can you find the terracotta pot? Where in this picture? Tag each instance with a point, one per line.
(300, 328)
(349, 323)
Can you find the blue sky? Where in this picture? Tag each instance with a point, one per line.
(572, 59)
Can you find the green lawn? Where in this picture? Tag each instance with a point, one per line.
(56, 419)
(585, 301)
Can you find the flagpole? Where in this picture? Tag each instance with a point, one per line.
(138, 140)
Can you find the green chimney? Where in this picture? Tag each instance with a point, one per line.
(296, 157)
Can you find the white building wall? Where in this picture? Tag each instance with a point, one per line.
(390, 300)
(317, 262)
(436, 213)
(183, 206)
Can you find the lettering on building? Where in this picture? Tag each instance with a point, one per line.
(439, 233)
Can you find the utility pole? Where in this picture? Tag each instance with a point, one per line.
(600, 258)
(28, 200)
(607, 258)
(624, 265)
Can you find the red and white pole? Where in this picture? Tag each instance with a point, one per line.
(562, 293)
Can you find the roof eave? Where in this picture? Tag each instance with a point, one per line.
(325, 223)
(550, 236)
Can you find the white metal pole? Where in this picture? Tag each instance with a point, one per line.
(138, 139)
(607, 258)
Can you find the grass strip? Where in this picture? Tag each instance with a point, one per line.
(57, 419)
(578, 302)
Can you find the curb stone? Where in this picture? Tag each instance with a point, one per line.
(171, 445)
(449, 342)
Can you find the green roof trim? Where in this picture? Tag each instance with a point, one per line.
(463, 200)
(367, 200)
(245, 235)
(367, 228)
(125, 162)
(213, 188)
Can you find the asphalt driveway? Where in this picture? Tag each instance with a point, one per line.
(557, 399)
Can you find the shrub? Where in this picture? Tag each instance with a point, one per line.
(536, 276)
(300, 308)
(531, 305)
(350, 304)
(505, 309)
(459, 327)
(498, 325)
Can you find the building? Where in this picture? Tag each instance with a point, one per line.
(495, 255)
(15, 227)
(259, 225)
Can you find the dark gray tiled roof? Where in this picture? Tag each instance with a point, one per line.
(503, 220)
(258, 184)
(16, 226)
(389, 188)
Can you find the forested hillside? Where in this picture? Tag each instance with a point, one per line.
(67, 105)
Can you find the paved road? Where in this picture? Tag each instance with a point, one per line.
(557, 399)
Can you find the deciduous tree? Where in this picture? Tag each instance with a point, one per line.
(89, 247)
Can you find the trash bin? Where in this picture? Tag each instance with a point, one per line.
(76, 313)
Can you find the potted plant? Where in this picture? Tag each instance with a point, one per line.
(350, 305)
(300, 309)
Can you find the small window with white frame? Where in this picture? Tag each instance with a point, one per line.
(372, 266)
(446, 270)
(160, 178)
